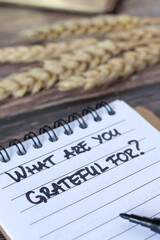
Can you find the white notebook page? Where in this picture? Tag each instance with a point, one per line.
(78, 192)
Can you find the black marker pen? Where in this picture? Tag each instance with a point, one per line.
(152, 223)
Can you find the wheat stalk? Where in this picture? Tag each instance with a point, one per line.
(38, 53)
(89, 57)
(131, 62)
(135, 34)
(34, 80)
(28, 54)
(87, 26)
(85, 58)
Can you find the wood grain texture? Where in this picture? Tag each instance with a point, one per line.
(17, 117)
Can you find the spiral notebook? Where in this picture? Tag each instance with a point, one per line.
(72, 182)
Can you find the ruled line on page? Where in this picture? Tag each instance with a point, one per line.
(67, 144)
(75, 186)
(101, 225)
(136, 225)
(122, 232)
(83, 182)
(83, 209)
(67, 159)
(94, 192)
(88, 180)
(122, 134)
(73, 170)
(150, 236)
(49, 233)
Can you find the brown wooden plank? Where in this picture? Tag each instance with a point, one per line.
(16, 126)
(28, 114)
(53, 97)
(10, 36)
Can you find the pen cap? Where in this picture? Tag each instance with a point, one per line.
(155, 225)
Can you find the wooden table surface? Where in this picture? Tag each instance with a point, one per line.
(17, 117)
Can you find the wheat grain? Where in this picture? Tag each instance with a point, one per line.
(132, 61)
(34, 80)
(87, 26)
(89, 57)
(135, 34)
(34, 53)
(28, 54)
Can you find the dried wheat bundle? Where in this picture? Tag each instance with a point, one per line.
(27, 54)
(89, 57)
(34, 80)
(37, 78)
(85, 58)
(131, 62)
(87, 26)
(135, 34)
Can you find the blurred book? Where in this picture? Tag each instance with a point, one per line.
(86, 6)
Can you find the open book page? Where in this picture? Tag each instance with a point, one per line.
(75, 188)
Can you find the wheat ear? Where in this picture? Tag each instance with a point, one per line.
(135, 34)
(85, 58)
(89, 57)
(34, 80)
(87, 26)
(38, 53)
(132, 61)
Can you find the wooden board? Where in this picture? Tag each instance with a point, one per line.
(53, 97)
(17, 117)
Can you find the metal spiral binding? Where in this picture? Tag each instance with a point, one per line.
(21, 148)
(50, 130)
